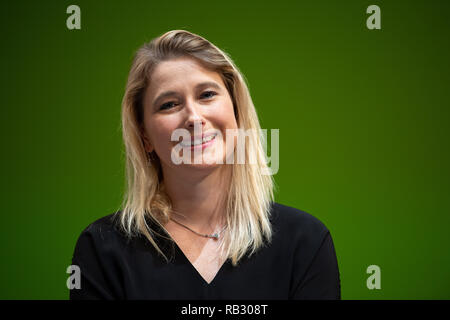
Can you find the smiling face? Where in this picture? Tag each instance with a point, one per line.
(182, 94)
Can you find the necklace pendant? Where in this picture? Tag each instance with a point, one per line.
(215, 236)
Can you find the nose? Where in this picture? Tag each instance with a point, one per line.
(194, 116)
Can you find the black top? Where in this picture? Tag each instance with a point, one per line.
(299, 263)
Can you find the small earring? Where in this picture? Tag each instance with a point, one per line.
(151, 156)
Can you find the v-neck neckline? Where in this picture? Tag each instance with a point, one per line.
(187, 261)
(194, 269)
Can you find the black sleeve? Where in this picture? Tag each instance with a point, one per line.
(95, 284)
(322, 279)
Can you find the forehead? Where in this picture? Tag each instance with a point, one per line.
(180, 72)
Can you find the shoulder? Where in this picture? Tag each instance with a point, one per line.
(309, 248)
(295, 223)
(101, 234)
(99, 254)
(105, 224)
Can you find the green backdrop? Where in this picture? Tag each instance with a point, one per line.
(363, 118)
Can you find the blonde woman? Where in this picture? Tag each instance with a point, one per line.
(205, 228)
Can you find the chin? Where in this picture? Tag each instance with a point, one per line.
(205, 165)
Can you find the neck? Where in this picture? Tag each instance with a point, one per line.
(198, 197)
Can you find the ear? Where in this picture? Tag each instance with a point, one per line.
(147, 144)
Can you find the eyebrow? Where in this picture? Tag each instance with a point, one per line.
(174, 93)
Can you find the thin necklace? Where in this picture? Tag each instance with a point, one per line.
(214, 236)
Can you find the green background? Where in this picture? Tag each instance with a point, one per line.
(363, 118)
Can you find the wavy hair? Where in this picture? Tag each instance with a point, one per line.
(249, 197)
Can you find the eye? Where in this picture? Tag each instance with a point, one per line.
(208, 94)
(167, 105)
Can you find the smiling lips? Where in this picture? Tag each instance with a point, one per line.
(197, 141)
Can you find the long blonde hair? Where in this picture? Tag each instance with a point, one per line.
(250, 194)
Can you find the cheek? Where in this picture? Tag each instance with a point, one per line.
(225, 116)
(160, 133)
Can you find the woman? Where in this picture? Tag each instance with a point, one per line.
(205, 228)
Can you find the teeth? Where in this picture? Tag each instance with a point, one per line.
(208, 138)
(199, 141)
